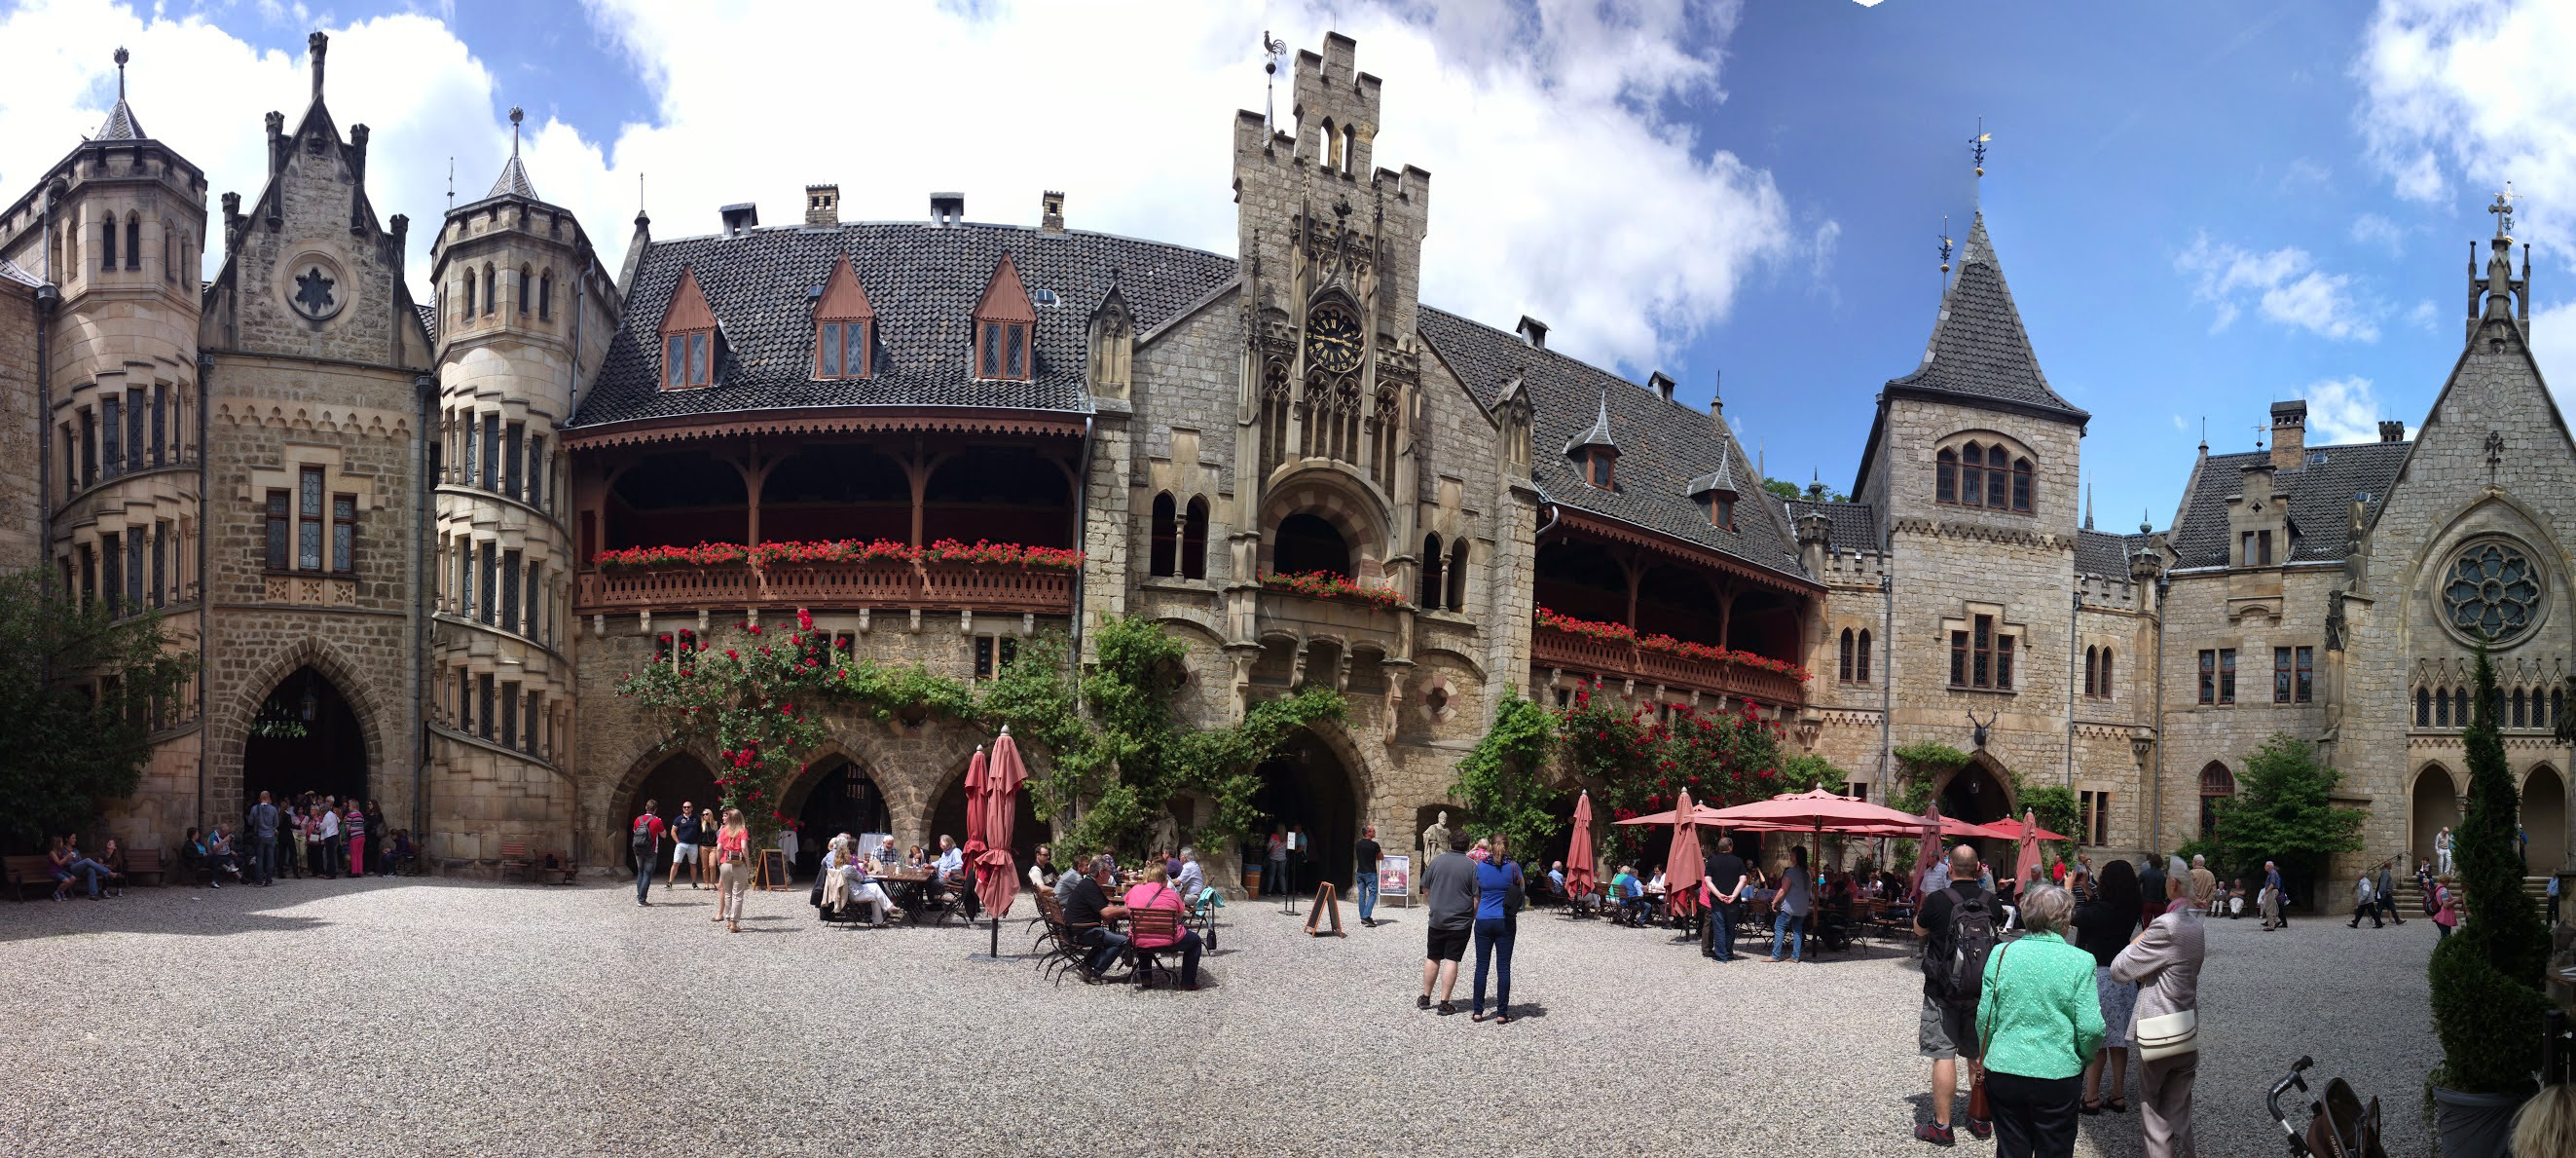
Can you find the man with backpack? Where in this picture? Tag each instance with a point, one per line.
(644, 839)
(1958, 924)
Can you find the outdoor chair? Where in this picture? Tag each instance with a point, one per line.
(1158, 924)
(514, 855)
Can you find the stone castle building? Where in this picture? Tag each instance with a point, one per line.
(390, 527)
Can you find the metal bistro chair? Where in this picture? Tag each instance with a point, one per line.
(1158, 924)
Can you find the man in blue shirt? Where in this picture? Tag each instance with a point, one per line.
(951, 868)
(2273, 901)
(263, 838)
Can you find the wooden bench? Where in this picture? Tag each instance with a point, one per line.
(559, 863)
(24, 871)
(514, 855)
(145, 862)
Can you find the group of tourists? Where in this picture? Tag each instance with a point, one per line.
(1174, 884)
(727, 846)
(311, 834)
(1474, 892)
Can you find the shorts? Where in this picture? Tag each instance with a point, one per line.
(1448, 944)
(1948, 1032)
(684, 854)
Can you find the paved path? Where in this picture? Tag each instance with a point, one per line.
(417, 1017)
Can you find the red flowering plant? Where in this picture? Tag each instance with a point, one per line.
(791, 553)
(1008, 554)
(1332, 585)
(1622, 633)
(1639, 759)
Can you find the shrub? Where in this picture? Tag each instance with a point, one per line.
(2486, 977)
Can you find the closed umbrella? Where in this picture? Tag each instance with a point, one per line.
(1000, 885)
(1682, 868)
(975, 805)
(2026, 854)
(1580, 872)
(1927, 850)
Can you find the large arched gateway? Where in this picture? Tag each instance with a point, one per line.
(305, 739)
(1306, 784)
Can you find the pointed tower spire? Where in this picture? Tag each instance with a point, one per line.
(2088, 506)
(1979, 350)
(1599, 435)
(120, 124)
(514, 176)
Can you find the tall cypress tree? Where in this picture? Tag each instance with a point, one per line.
(2486, 977)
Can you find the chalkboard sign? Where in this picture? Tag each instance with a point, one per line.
(1325, 899)
(773, 870)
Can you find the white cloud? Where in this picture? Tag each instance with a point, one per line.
(2480, 92)
(2373, 229)
(2553, 345)
(2284, 285)
(2343, 410)
(2179, 424)
(2425, 314)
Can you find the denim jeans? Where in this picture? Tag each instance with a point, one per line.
(1105, 944)
(87, 870)
(1792, 927)
(643, 877)
(1364, 890)
(1494, 937)
(264, 858)
(1721, 923)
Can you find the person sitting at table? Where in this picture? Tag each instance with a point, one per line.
(220, 853)
(860, 888)
(1042, 874)
(1064, 884)
(1632, 896)
(1556, 880)
(1157, 893)
(1191, 881)
(1088, 912)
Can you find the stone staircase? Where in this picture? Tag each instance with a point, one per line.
(2410, 899)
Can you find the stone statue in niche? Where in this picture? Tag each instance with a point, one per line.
(1435, 840)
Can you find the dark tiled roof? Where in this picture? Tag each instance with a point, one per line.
(120, 124)
(923, 281)
(429, 323)
(2105, 553)
(9, 271)
(1662, 445)
(1855, 525)
(1979, 349)
(513, 181)
(2319, 496)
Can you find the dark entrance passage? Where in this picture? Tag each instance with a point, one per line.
(1974, 796)
(679, 777)
(1305, 543)
(844, 798)
(305, 739)
(1303, 783)
(949, 819)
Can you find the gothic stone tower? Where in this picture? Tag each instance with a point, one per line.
(316, 366)
(523, 317)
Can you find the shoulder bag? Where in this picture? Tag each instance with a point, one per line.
(2168, 1034)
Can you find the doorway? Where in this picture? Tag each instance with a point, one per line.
(949, 819)
(2544, 818)
(840, 797)
(305, 739)
(679, 778)
(1305, 785)
(2434, 807)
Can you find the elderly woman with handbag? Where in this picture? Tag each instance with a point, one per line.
(2164, 963)
(2039, 1016)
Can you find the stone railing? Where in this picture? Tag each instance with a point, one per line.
(1618, 660)
(818, 586)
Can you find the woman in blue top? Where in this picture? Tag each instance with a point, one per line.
(1789, 911)
(1495, 881)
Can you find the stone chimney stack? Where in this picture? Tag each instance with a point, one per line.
(2289, 434)
(1662, 384)
(2391, 430)
(1051, 212)
(823, 206)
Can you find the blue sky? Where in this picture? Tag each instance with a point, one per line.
(2202, 207)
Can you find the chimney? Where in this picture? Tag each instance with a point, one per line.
(1051, 212)
(947, 208)
(1532, 331)
(1662, 384)
(2289, 434)
(2391, 430)
(823, 205)
(738, 218)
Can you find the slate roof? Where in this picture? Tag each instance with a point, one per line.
(1662, 445)
(1979, 350)
(9, 270)
(2106, 553)
(429, 323)
(923, 281)
(120, 124)
(2319, 497)
(1854, 525)
(513, 181)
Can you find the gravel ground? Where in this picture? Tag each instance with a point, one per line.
(492, 1019)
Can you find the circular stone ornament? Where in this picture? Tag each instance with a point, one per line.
(314, 287)
(2491, 590)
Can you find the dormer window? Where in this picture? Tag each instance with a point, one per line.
(842, 324)
(1721, 511)
(1597, 467)
(689, 337)
(1595, 452)
(1005, 327)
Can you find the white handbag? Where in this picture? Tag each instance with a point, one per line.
(2168, 1034)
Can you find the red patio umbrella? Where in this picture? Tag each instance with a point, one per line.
(1581, 875)
(999, 885)
(2026, 854)
(1927, 849)
(975, 805)
(2011, 829)
(1700, 814)
(1682, 867)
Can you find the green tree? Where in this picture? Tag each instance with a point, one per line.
(81, 690)
(1789, 490)
(2486, 977)
(2284, 812)
(1502, 781)
(2055, 807)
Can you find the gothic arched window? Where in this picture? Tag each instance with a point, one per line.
(1945, 485)
(491, 291)
(133, 241)
(2020, 485)
(1194, 536)
(2106, 673)
(2518, 719)
(527, 288)
(1972, 475)
(1431, 585)
(2442, 708)
(1860, 658)
(2092, 672)
(2423, 707)
(2216, 784)
(1166, 535)
(546, 296)
(1458, 575)
(1843, 669)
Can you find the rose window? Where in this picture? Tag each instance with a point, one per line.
(2492, 591)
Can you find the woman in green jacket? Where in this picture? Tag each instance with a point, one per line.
(2040, 1019)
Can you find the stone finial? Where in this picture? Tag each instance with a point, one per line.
(317, 44)
(121, 57)
(517, 115)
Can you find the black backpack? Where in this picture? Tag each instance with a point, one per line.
(642, 842)
(1970, 937)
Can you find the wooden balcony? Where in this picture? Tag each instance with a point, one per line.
(1614, 660)
(828, 586)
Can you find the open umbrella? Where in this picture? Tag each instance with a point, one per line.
(1580, 872)
(1682, 867)
(2011, 829)
(1000, 883)
(1700, 814)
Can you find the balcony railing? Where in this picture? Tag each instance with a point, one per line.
(817, 586)
(1616, 659)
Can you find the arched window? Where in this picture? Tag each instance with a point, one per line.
(2518, 720)
(1843, 669)
(1432, 587)
(1332, 146)
(1194, 531)
(2092, 673)
(107, 245)
(1972, 475)
(469, 295)
(2557, 705)
(2106, 673)
(2423, 707)
(546, 296)
(169, 251)
(2020, 485)
(1166, 533)
(491, 291)
(1350, 149)
(1998, 478)
(1945, 483)
(133, 241)
(1860, 657)
(527, 288)
(2216, 784)
(2442, 709)
(1458, 575)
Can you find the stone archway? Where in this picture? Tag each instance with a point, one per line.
(1980, 791)
(836, 793)
(669, 779)
(2433, 804)
(948, 818)
(233, 720)
(1306, 782)
(2544, 818)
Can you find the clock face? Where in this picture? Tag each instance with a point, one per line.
(1333, 341)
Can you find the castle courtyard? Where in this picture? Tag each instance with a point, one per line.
(415, 1016)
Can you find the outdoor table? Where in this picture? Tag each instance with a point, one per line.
(906, 889)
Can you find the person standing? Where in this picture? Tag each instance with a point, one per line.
(2102, 926)
(1498, 884)
(263, 840)
(2151, 888)
(2204, 885)
(2446, 908)
(684, 846)
(1958, 923)
(2384, 891)
(644, 843)
(1789, 910)
(2039, 1017)
(353, 832)
(2553, 899)
(1301, 855)
(2442, 852)
(1449, 891)
(1276, 880)
(1364, 883)
(707, 830)
(733, 860)
(2364, 903)
(787, 847)
(2164, 963)
(1725, 873)
(318, 835)
(291, 839)
(2272, 918)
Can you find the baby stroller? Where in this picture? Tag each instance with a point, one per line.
(2339, 1126)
